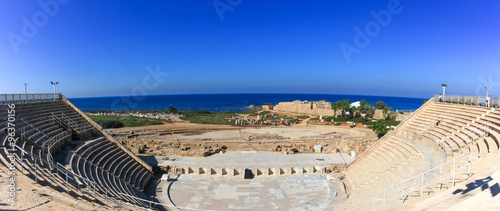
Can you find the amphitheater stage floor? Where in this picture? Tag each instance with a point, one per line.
(257, 160)
(306, 192)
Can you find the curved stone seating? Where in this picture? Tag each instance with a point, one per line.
(98, 151)
(131, 172)
(409, 148)
(402, 157)
(384, 164)
(100, 162)
(92, 160)
(457, 128)
(470, 119)
(436, 141)
(390, 154)
(444, 136)
(104, 179)
(370, 166)
(120, 166)
(116, 167)
(137, 178)
(125, 168)
(374, 162)
(90, 148)
(144, 178)
(89, 163)
(106, 166)
(355, 178)
(391, 163)
(462, 135)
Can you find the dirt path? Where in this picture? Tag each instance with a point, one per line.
(304, 122)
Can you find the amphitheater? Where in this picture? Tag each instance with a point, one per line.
(443, 156)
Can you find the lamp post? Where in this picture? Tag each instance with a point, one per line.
(26, 92)
(488, 99)
(444, 88)
(442, 98)
(54, 84)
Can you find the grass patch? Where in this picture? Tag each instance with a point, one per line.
(253, 114)
(208, 118)
(125, 121)
(265, 112)
(391, 123)
(303, 117)
(359, 120)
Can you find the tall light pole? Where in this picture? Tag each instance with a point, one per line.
(444, 88)
(26, 91)
(488, 99)
(54, 84)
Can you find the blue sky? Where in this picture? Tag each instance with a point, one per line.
(104, 48)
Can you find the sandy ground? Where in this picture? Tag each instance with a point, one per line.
(243, 138)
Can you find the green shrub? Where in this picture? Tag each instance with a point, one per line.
(110, 124)
(171, 109)
(125, 121)
(380, 128)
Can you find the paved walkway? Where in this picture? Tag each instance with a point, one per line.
(257, 159)
(283, 193)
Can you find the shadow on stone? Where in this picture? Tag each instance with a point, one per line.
(483, 183)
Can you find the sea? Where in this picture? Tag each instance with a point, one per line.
(225, 102)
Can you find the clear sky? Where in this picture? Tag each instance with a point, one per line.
(105, 48)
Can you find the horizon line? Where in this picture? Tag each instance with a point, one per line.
(247, 94)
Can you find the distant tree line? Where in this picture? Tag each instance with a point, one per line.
(344, 106)
(364, 107)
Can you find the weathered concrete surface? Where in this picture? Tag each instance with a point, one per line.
(258, 160)
(283, 193)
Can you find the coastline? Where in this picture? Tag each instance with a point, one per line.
(227, 102)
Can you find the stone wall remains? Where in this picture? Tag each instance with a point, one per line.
(314, 108)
